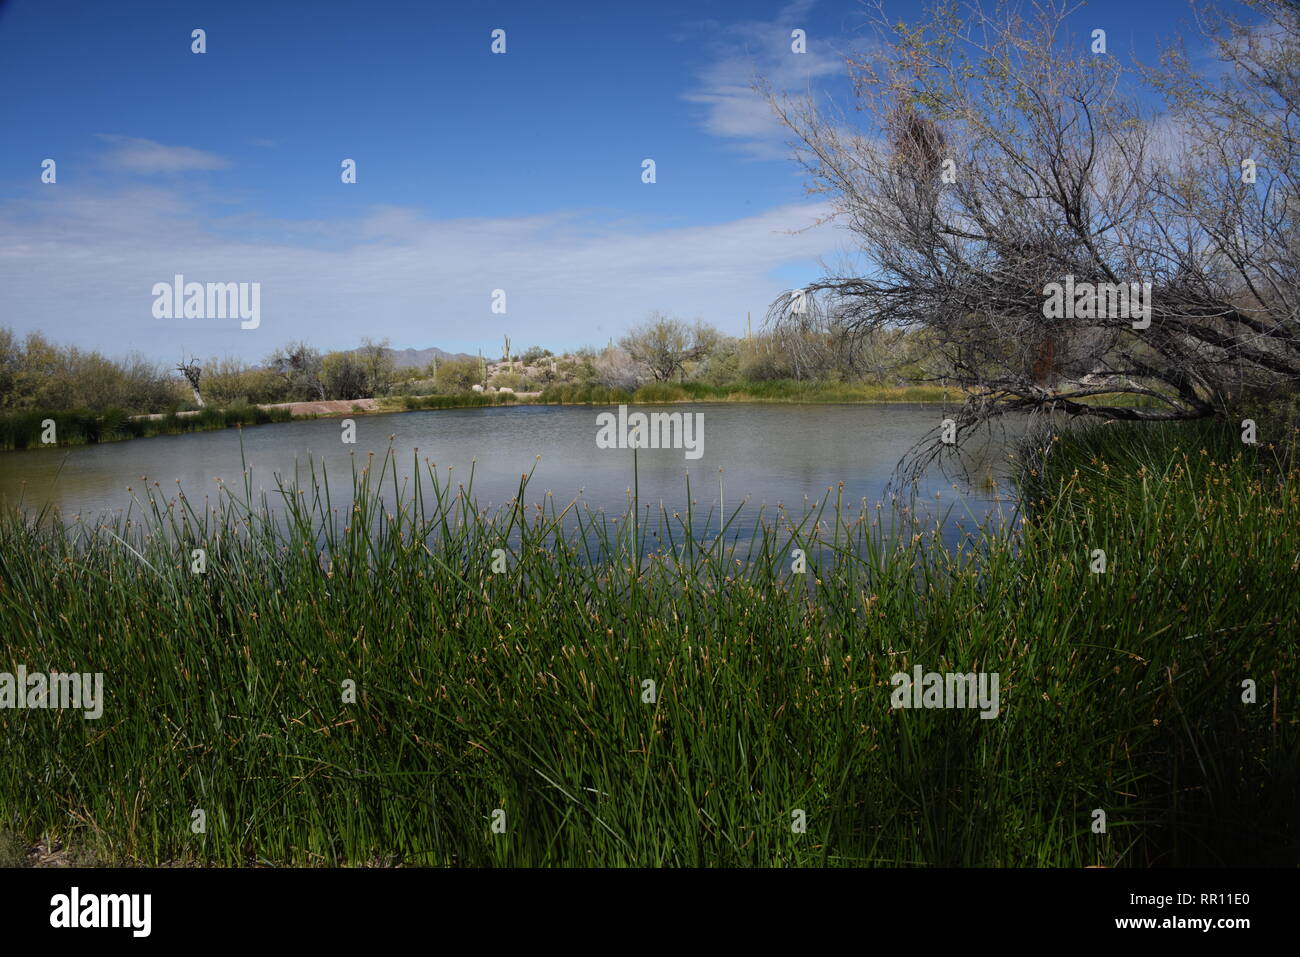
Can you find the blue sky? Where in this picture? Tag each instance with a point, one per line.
(476, 171)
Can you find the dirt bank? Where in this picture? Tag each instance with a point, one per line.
(327, 407)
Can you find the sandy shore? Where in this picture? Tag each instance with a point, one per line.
(327, 407)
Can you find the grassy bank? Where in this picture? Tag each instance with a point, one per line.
(470, 400)
(22, 430)
(777, 391)
(523, 691)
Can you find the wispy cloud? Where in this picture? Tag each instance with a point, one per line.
(759, 50)
(132, 155)
(85, 264)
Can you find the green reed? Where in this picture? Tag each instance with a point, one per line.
(523, 691)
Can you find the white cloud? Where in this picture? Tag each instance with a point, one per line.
(80, 267)
(759, 50)
(146, 157)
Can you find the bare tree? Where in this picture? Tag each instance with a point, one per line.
(1004, 163)
(1233, 190)
(192, 372)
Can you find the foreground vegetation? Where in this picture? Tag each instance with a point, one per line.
(523, 691)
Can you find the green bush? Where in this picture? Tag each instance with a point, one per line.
(459, 375)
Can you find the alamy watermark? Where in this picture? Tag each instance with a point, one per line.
(651, 430)
(946, 690)
(75, 909)
(55, 690)
(179, 299)
(1101, 300)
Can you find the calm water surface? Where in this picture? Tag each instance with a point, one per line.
(765, 454)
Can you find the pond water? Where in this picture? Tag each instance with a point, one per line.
(764, 454)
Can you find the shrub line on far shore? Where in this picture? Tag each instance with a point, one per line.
(23, 430)
(73, 427)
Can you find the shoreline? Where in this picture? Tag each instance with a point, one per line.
(340, 408)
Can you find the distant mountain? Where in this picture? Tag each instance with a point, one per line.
(406, 358)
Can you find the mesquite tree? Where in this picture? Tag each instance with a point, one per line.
(1004, 160)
